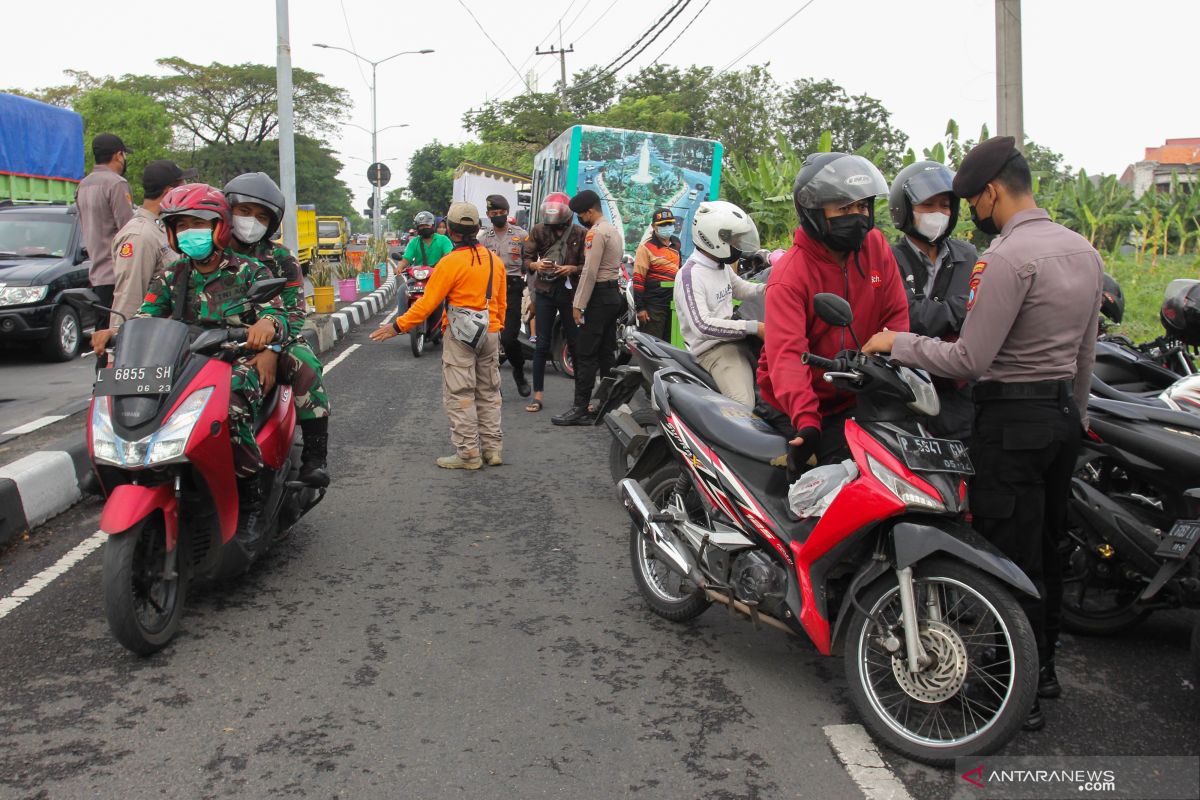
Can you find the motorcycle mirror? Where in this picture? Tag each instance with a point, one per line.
(80, 299)
(266, 290)
(210, 339)
(833, 309)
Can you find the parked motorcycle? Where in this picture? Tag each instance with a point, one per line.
(939, 657)
(428, 333)
(159, 442)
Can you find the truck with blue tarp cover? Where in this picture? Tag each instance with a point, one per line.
(41, 151)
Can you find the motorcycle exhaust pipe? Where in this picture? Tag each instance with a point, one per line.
(752, 613)
(654, 525)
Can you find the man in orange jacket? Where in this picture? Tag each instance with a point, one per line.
(471, 278)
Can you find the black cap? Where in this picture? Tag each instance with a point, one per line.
(984, 163)
(158, 175)
(663, 216)
(497, 202)
(584, 201)
(105, 145)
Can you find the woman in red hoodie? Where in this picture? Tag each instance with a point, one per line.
(836, 249)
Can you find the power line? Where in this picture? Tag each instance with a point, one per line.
(493, 41)
(357, 62)
(553, 28)
(609, 70)
(755, 46)
(681, 33)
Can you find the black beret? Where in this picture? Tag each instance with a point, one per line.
(497, 202)
(982, 164)
(584, 201)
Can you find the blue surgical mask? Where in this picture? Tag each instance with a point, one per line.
(196, 243)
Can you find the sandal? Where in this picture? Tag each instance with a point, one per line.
(534, 406)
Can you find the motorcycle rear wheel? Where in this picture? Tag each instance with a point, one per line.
(143, 608)
(669, 595)
(983, 681)
(1118, 610)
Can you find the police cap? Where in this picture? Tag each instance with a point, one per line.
(584, 201)
(983, 164)
(497, 202)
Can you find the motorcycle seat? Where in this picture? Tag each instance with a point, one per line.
(266, 409)
(1137, 393)
(688, 362)
(726, 423)
(1142, 412)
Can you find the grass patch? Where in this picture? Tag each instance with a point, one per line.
(1144, 285)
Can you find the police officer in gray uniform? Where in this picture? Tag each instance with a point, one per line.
(1029, 338)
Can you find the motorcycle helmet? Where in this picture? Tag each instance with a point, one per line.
(833, 178)
(556, 209)
(423, 218)
(257, 187)
(1112, 302)
(723, 231)
(1183, 395)
(916, 184)
(1180, 316)
(196, 200)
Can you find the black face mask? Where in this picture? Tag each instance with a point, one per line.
(499, 221)
(424, 233)
(986, 224)
(847, 233)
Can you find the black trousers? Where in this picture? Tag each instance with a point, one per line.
(1024, 455)
(512, 325)
(546, 307)
(659, 324)
(597, 341)
(831, 448)
(105, 292)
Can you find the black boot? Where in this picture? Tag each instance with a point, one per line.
(523, 387)
(250, 509)
(313, 471)
(1048, 685)
(1036, 719)
(577, 415)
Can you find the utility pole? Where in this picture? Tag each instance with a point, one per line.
(375, 227)
(1009, 115)
(287, 142)
(562, 63)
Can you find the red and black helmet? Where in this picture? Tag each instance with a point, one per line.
(1180, 315)
(197, 200)
(556, 209)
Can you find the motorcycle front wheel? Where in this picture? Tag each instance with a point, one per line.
(982, 677)
(669, 595)
(142, 604)
(416, 339)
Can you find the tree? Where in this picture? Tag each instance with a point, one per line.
(744, 111)
(809, 107)
(400, 207)
(529, 121)
(227, 104)
(141, 123)
(649, 113)
(65, 95)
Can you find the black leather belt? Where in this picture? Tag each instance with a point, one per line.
(606, 284)
(1038, 390)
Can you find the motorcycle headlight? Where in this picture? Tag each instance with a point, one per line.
(106, 445)
(905, 492)
(20, 295)
(169, 442)
(421, 274)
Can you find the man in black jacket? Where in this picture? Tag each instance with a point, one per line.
(936, 271)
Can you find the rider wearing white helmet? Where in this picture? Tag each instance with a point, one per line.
(705, 289)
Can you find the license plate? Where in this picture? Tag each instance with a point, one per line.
(1179, 542)
(134, 380)
(924, 454)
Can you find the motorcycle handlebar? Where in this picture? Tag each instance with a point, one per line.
(813, 360)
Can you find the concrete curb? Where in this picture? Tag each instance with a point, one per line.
(40, 486)
(44, 484)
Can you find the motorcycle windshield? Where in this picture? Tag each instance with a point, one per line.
(147, 342)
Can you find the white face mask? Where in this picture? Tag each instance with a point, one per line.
(248, 229)
(932, 225)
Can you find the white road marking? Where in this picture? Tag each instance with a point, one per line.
(862, 761)
(30, 427)
(44, 578)
(329, 367)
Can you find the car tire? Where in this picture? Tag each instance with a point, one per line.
(62, 343)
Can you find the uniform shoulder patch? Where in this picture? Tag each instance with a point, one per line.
(126, 250)
(587, 240)
(973, 286)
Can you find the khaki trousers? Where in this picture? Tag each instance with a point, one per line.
(471, 394)
(729, 364)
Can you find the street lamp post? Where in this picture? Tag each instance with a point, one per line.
(375, 227)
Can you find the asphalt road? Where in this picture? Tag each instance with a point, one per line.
(31, 388)
(425, 634)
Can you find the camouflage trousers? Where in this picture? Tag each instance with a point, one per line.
(300, 368)
(244, 402)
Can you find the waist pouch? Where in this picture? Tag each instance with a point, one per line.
(469, 325)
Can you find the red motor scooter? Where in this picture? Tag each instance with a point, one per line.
(159, 441)
(429, 332)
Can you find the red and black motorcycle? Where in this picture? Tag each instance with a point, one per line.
(429, 332)
(159, 442)
(939, 656)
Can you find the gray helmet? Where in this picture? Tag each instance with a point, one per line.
(423, 218)
(833, 178)
(914, 185)
(257, 187)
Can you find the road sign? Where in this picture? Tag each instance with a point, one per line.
(379, 174)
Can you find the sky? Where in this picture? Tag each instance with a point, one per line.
(1102, 79)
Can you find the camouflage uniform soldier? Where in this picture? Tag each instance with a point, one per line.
(207, 287)
(257, 210)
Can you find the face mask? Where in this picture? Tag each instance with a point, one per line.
(847, 233)
(986, 224)
(587, 223)
(248, 229)
(932, 225)
(499, 222)
(662, 234)
(196, 244)
(425, 233)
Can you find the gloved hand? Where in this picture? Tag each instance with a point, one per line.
(801, 450)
